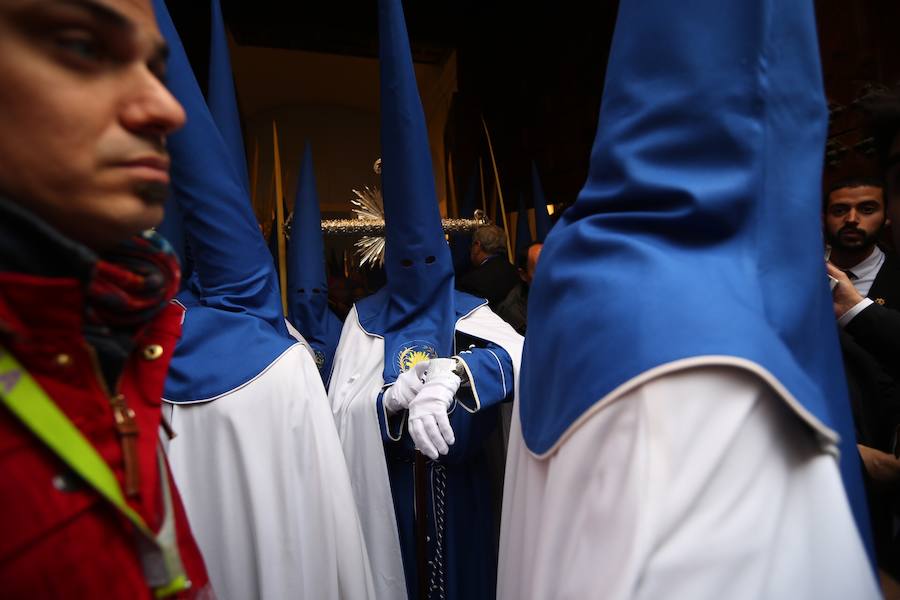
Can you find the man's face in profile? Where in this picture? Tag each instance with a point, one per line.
(534, 253)
(84, 114)
(527, 274)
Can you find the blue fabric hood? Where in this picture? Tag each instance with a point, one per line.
(234, 327)
(523, 229)
(415, 315)
(542, 222)
(221, 96)
(307, 293)
(460, 244)
(701, 206)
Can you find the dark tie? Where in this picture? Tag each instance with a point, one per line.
(850, 274)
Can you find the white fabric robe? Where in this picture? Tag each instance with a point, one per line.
(266, 488)
(356, 380)
(698, 484)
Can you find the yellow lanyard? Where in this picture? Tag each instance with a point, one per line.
(22, 395)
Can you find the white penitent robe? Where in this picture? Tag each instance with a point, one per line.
(698, 484)
(356, 380)
(266, 488)
(299, 337)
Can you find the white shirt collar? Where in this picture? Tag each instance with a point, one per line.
(866, 270)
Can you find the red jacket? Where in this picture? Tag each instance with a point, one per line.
(58, 538)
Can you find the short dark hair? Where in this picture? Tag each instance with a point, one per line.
(853, 182)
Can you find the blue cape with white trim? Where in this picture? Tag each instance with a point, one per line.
(697, 233)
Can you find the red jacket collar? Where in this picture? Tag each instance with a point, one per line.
(30, 303)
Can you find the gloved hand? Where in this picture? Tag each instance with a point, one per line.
(398, 396)
(429, 424)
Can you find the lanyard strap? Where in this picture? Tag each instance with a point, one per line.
(25, 398)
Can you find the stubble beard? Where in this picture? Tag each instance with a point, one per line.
(152, 192)
(866, 242)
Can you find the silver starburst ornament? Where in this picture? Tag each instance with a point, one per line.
(369, 206)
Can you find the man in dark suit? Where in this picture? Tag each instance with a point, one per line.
(493, 276)
(875, 400)
(867, 305)
(874, 321)
(514, 308)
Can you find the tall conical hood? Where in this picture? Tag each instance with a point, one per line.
(413, 222)
(221, 96)
(307, 283)
(272, 243)
(172, 228)
(542, 222)
(416, 307)
(235, 328)
(307, 255)
(523, 228)
(460, 244)
(704, 194)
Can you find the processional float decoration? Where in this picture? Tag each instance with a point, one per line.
(368, 206)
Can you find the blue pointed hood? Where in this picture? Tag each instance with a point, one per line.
(542, 222)
(415, 311)
(523, 229)
(221, 96)
(172, 228)
(461, 243)
(272, 245)
(703, 193)
(233, 328)
(307, 294)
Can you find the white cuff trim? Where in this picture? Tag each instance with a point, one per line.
(857, 308)
(472, 386)
(387, 418)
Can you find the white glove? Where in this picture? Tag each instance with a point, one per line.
(429, 424)
(398, 396)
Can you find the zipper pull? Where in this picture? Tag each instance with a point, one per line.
(128, 432)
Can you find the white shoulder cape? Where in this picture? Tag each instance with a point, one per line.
(266, 489)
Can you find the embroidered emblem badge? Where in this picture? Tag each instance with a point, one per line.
(319, 358)
(412, 353)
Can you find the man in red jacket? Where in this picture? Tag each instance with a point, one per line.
(87, 506)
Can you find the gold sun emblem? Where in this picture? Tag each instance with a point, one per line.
(880, 301)
(411, 356)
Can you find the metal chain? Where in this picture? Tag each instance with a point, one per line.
(436, 590)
